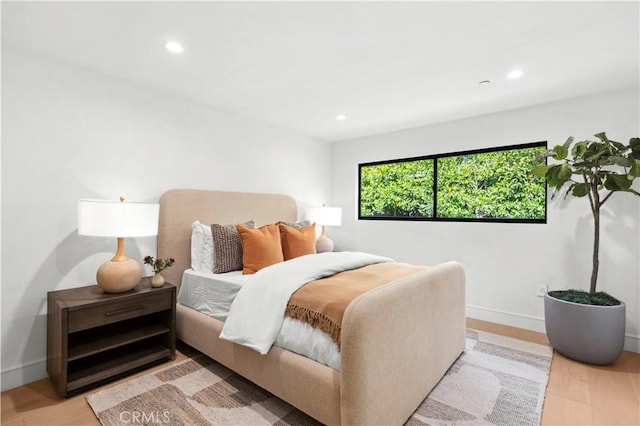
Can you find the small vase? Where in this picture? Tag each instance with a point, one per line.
(157, 280)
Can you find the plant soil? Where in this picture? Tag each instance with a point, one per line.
(583, 297)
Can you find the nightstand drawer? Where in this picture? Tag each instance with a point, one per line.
(95, 316)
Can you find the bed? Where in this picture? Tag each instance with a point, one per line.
(384, 375)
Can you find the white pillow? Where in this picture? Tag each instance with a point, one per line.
(201, 247)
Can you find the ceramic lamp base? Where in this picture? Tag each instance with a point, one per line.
(324, 244)
(120, 276)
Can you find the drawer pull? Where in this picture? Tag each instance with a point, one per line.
(123, 310)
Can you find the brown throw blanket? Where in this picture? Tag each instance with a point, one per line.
(322, 303)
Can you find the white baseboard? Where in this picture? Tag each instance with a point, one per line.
(507, 318)
(23, 374)
(631, 343)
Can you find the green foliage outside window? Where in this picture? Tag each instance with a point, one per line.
(474, 185)
(491, 185)
(397, 189)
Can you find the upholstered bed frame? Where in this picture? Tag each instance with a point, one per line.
(397, 340)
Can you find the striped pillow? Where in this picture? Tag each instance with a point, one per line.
(227, 247)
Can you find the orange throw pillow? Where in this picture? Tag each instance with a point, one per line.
(261, 247)
(297, 242)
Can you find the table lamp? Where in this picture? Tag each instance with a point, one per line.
(120, 219)
(325, 216)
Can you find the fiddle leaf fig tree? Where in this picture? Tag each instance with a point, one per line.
(596, 170)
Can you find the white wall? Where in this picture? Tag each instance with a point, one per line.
(69, 134)
(506, 262)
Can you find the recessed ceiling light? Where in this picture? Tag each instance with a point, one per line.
(341, 117)
(174, 47)
(515, 74)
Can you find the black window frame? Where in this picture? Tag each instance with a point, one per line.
(435, 157)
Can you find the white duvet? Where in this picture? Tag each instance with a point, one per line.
(257, 312)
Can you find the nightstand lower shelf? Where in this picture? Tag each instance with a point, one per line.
(103, 340)
(102, 368)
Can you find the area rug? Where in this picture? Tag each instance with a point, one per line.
(497, 380)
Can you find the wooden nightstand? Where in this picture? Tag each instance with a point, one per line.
(94, 337)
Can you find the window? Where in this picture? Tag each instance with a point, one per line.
(489, 185)
(398, 189)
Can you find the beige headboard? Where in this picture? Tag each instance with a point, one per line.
(180, 207)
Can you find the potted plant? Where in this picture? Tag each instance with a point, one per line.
(589, 326)
(157, 266)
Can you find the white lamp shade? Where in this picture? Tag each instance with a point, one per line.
(326, 216)
(102, 218)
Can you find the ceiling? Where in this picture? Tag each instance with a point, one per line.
(385, 65)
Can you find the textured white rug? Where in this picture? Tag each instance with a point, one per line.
(497, 380)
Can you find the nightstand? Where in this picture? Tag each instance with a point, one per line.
(94, 337)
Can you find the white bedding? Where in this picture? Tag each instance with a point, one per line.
(212, 294)
(257, 312)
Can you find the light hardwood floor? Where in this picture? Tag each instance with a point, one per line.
(581, 394)
(577, 394)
